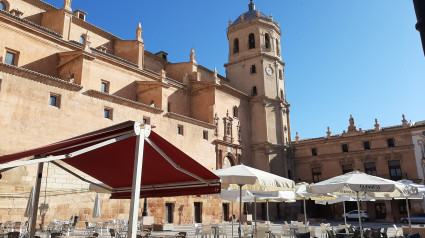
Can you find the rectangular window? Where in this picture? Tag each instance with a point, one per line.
(254, 91)
(54, 100)
(314, 151)
(317, 174)
(395, 170)
(104, 87)
(180, 129)
(10, 58)
(197, 212)
(107, 113)
(168, 107)
(225, 213)
(169, 212)
(146, 120)
(366, 145)
(344, 148)
(280, 74)
(346, 168)
(205, 135)
(253, 69)
(390, 142)
(0, 83)
(370, 168)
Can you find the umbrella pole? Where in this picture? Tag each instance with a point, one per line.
(360, 218)
(345, 217)
(267, 203)
(255, 214)
(408, 216)
(305, 214)
(232, 219)
(240, 211)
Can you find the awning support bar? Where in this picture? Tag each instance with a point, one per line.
(174, 164)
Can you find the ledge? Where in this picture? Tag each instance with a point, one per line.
(122, 101)
(222, 142)
(42, 78)
(180, 117)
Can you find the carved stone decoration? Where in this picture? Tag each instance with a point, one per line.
(404, 121)
(328, 133)
(192, 56)
(67, 5)
(139, 33)
(216, 124)
(228, 130)
(239, 131)
(351, 127)
(377, 126)
(86, 43)
(297, 138)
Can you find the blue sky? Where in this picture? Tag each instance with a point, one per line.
(342, 57)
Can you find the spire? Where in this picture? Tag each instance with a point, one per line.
(139, 32)
(251, 6)
(192, 56)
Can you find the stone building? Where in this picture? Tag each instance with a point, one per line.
(394, 152)
(61, 76)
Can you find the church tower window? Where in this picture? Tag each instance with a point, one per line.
(251, 41)
(236, 46)
(253, 69)
(267, 41)
(82, 39)
(277, 47)
(254, 91)
(2, 6)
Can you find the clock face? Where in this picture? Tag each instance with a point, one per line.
(269, 70)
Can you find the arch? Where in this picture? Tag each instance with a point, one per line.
(251, 41)
(4, 5)
(82, 39)
(235, 46)
(228, 161)
(267, 41)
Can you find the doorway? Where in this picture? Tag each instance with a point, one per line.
(169, 212)
(198, 212)
(380, 211)
(226, 212)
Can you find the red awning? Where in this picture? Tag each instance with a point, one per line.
(113, 163)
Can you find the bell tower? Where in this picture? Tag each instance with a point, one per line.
(255, 67)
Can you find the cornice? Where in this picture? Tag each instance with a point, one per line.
(122, 101)
(228, 89)
(371, 152)
(41, 78)
(38, 3)
(273, 58)
(190, 120)
(226, 143)
(249, 22)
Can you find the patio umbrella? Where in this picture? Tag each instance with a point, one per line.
(30, 204)
(251, 179)
(419, 195)
(96, 208)
(362, 184)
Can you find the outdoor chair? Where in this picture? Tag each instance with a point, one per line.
(397, 231)
(376, 233)
(261, 232)
(247, 231)
(17, 226)
(313, 231)
(198, 228)
(181, 234)
(114, 233)
(55, 234)
(222, 231)
(13, 234)
(302, 229)
(65, 229)
(367, 233)
(89, 228)
(331, 233)
(206, 231)
(323, 229)
(356, 234)
(384, 233)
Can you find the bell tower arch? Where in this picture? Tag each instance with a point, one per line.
(255, 67)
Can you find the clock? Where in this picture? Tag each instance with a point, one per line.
(269, 70)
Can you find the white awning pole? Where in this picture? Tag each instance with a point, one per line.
(36, 199)
(137, 180)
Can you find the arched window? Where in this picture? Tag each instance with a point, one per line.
(251, 41)
(267, 41)
(82, 39)
(236, 46)
(2, 6)
(277, 47)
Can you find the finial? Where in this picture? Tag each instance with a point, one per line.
(67, 5)
(297, 137)
(257, 13)
(251, 6)
(162, 75)
(230, 22)
(377, 126)
(351, 127)
(227, 113)
(277, 23)
(86, 43)
(242, 17)
(404, 121)
(139, 32)
(271, 17)
(328, 133)
(192, 56)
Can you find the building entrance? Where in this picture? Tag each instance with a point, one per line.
(380, 211)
